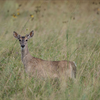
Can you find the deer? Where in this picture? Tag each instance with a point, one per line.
(43, 68)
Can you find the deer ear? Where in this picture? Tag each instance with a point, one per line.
(30, 34)
(16, 35)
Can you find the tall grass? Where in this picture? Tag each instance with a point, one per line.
(60, 33)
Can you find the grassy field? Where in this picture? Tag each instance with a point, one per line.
(64, 30)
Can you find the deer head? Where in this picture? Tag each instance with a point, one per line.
(23, 39)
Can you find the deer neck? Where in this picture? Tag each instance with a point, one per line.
(25, 53)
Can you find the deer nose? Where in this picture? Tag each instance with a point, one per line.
(22, 46)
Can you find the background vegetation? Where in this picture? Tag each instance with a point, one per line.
(63, 30)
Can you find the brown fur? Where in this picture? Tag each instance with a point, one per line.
(42, 68)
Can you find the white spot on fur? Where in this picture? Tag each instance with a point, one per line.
(22, 48)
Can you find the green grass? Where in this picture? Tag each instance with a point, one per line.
(57, 36)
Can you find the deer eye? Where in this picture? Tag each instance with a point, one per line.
(26, 40)
(19, 40)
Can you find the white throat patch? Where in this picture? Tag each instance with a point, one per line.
(22, 48)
